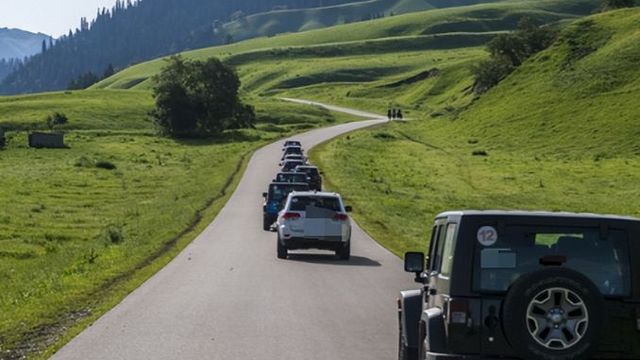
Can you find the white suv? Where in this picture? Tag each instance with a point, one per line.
(314, 220)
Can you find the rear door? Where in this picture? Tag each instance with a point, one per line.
(321, 219)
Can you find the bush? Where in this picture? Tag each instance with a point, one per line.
(196, 99)
(508, 51)
(115, 234)
(103, 164)
(56, 119)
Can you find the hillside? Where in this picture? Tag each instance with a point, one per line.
(131, 32)
(359, 44)
(560, 134)
(17, 44)
(297, 20)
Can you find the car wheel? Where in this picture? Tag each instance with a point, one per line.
(344, 253)
(266, 224)
(554, 314)
(402, 350)
(282, 250)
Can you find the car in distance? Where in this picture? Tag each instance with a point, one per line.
(312, 172)
(274, 200)
(314, 220)
(289, 177)
(292, 143)
(291, 165)
(293, 150)
(296, 157)
(524, 285)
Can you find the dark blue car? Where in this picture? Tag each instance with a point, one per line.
(274, 200)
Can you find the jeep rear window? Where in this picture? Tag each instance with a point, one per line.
(304, 203)
(601, 256)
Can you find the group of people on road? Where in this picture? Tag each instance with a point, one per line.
(395, 114)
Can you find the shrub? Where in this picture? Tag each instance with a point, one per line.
(104, 164)
(56, 119)
(508, 51)
(115, 234)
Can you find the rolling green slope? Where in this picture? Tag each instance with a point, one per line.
(296, 20)
(470, 25)
(560, 134)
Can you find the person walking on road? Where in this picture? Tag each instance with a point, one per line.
(389, 115)
(399, 115)
(393, 114)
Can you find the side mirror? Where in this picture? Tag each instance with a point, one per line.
(264, 195)
(414, 262)
(348, 209)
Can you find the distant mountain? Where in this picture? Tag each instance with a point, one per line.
(17, 44)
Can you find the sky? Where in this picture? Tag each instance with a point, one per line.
(51, 17)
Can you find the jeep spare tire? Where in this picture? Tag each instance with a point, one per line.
(553, 314)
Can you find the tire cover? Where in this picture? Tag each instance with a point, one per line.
(523, 291)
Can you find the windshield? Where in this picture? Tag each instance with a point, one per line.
(306, 203)
(293, 177)
(293, 151)
(519, 250)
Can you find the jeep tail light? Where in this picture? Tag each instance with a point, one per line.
(459, 312)
(341, 217)
(291, 216)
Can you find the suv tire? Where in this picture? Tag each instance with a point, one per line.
(565, 304)
(265, 223)
(344, 253)
(282, 250)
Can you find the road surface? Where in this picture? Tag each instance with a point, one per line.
(226, 296)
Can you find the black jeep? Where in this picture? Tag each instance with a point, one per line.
(522, 285)
(314, 177)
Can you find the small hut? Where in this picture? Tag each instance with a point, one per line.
(46, 140)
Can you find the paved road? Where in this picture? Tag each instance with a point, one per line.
(226, 296)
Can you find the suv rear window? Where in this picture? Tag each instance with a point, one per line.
(310, 171)
(304, 203)
(602, 257)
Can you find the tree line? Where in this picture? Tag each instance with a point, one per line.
(132, 32)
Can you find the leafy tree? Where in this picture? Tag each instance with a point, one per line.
(196, 99)
(508, 51)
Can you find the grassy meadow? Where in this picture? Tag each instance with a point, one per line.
(560, 134)
(81, 227)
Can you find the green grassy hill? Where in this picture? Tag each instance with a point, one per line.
(561, 133)
(296, 20)
(434, 29)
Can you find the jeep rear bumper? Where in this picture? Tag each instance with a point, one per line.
(439, 356)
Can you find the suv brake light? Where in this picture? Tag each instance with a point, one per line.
(291, 216)
(459, 311)
(341, 217)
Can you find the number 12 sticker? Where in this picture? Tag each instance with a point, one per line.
(487, 236)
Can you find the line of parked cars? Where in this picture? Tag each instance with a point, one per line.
(302, 215)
